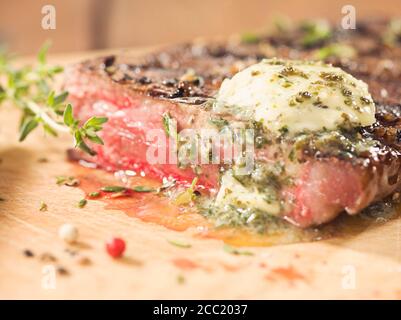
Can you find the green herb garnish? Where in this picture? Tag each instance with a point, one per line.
(87, 131)
(236, 251)
(82, 203)
(249, 37)
(123, 189)
(94, 194)
(29, 88)
(113, 189)
(218, 122)
(337, 50)
(68, 181)
(170, 126)
(179, 244)
(283, 130)
(188, 195)
(315, 32)
(142, 189)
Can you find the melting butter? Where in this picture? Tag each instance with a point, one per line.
(234, 193)
(296, 96)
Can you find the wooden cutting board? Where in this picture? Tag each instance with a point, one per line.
(364, 265)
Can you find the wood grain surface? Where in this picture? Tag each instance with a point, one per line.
(365, 265)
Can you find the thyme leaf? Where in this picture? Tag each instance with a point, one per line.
(170, 126)
(335, 50)
(235, 251)
(94, 194)
(250, 38)
(82, 203)
(179, 244)
(29, 88)
(142, 189)
(123, 189)
(315, 32)
(28, 126)
(113, 189)
(68, 181)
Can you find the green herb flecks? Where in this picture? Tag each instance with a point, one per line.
(337, 50)
(218, 122)
(117, 189)
(179, 244)
(170, 126)
(283, 130)
(235, 251)
(113, 189)
(82, 203)
(88, 131)
(30, 89)
(249, 37)
(315, 32)
(188, 195)
(67, 181)
(94, 194)
(143, 189)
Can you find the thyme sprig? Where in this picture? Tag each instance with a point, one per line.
(30, 89)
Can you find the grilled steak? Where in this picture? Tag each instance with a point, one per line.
(327, 177)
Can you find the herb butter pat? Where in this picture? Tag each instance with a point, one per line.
(297, 96)
(232, 191)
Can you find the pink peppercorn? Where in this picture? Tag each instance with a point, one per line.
(115, 247)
